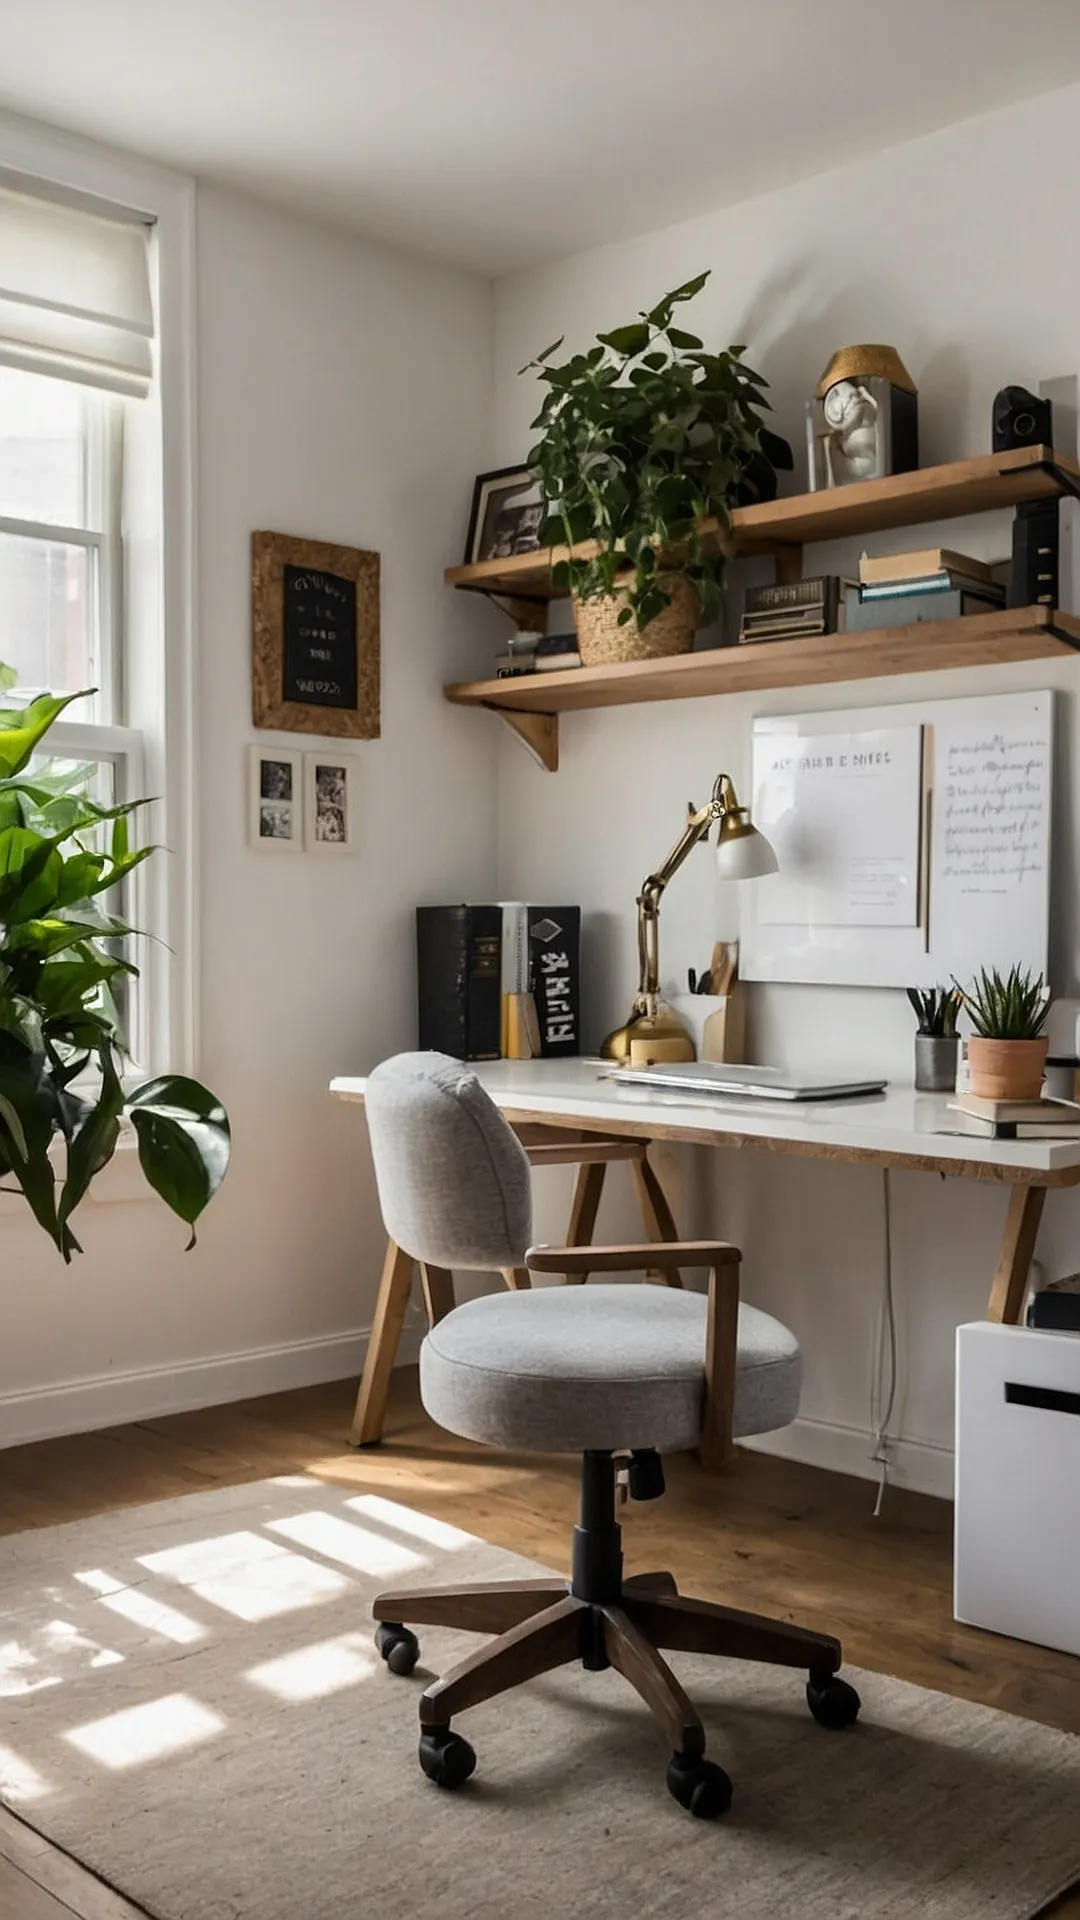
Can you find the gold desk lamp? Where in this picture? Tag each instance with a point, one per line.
(742, 853)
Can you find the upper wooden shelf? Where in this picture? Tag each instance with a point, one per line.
(869, 506)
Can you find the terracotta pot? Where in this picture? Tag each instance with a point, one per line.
(601, 640)
(1007, 1069)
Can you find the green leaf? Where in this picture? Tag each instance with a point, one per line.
(22, 727)
(93, 1141)
(629, 340)
(680, 339)
(25, 1085)
(9, 677)
(184, 1145)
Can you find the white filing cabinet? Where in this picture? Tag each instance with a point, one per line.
(1017, 1568)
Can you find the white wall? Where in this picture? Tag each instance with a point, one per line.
(344, 394)
(957, 249)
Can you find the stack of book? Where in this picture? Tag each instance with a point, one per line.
(1018, 1119)
(934, 583)
(785, 612)
(538, 653)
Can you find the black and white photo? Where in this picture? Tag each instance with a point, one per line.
(507, 515)
(329, 782)
(275, 799)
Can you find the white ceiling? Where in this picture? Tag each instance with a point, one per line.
(495, 133)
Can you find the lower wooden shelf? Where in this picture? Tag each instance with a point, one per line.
(531, 703)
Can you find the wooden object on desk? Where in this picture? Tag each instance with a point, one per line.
(546, 1147)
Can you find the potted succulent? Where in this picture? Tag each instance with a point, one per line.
(936, 1042)
(642, 437)
(1007, 1051)
(63, 949)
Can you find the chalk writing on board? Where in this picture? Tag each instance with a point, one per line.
(320, 638)
(992, 796)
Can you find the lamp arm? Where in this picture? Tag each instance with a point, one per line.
(648, 903)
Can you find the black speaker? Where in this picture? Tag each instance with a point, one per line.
(1021, 419)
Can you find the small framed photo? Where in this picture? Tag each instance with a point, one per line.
(507, 514)
(276, 799)
(330, 801)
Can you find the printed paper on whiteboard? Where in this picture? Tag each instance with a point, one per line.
(843, 811)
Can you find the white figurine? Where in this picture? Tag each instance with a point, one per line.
(851, 443)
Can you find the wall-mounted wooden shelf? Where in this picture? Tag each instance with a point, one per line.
(531, 703)
(869, 506)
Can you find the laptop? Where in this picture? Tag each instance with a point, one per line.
(756, 1083)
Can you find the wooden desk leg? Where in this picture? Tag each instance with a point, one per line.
(655, 1212)
(583, 1211)
(518, 1279)
(1017, 1249)
(438, 1286)
(394, 1288)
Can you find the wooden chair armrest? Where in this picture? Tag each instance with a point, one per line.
(668, 1253)
(582, 1153)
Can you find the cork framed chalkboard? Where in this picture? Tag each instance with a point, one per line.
(315, 637)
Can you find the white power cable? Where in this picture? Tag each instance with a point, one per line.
(886, 1363)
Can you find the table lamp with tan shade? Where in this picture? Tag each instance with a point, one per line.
(742, 853)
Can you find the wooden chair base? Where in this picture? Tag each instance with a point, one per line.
(541, 1624)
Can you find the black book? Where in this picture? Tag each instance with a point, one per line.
(459, 961)
(554, 940)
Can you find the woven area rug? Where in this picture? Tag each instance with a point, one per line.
(191, 1705)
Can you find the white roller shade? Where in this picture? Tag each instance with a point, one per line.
(74, 293)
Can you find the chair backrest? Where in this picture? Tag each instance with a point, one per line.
(453, 1179)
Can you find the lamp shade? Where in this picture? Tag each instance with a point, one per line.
(742, 853)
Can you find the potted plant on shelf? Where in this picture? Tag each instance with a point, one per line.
(936, 1042)
(63, 858)
(1007, 1051)
(642, 438)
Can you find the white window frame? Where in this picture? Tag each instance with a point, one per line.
(158, 591)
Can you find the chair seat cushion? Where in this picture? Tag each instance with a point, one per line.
(568, 1369)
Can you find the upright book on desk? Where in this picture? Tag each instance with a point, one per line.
(458, 953)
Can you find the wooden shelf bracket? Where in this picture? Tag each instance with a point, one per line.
(538, 731)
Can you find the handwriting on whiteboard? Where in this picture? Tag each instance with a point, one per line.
(992, 796)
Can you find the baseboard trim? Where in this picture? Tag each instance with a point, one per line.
(114, 1399)
(915, 1464)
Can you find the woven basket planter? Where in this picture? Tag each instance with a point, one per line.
(602, 641)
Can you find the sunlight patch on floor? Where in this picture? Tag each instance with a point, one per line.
(309, 1673)
(246, 1575)
(141, 1609)
(354, 1546)
(148, 1732)
(19, 1781)
(420, 1526)
(50, 1654)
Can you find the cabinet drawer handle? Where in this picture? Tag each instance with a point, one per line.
(1054, 1399)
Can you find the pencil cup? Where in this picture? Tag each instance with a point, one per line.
(717, 1022)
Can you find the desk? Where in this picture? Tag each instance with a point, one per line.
(894, 1129)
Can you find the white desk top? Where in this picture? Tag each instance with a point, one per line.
(897, 1125)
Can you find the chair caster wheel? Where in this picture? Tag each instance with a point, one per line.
(446, 1758)
(699, 1785)
(833, 1702)
(399, 1647)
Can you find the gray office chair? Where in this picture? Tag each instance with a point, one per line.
(590, 1370)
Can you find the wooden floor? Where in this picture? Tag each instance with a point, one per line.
(769, 1536)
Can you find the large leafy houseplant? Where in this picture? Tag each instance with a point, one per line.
(62, 860)
(642, 437)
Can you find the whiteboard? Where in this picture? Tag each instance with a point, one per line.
(914, 842)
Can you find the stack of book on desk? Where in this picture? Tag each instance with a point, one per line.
(538, 653)
(934, 583)
(783, 612)
(1018, 1119)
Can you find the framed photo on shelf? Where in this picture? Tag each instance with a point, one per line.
(507, 514)
(275, 799)
(330, 801)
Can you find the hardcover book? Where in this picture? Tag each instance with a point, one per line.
(541, 955)
(459, 960)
